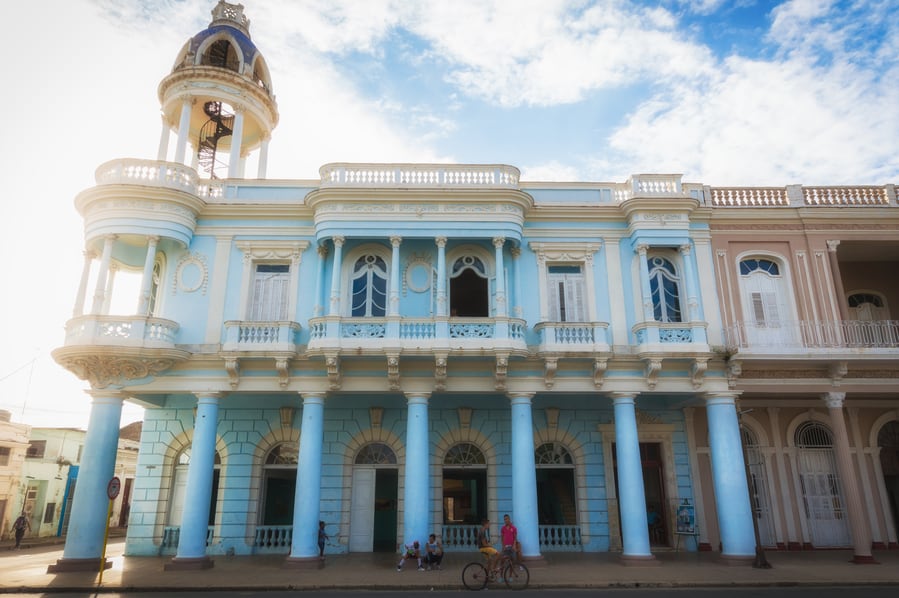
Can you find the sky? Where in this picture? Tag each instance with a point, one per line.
(744, 93)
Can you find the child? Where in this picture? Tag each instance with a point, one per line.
(411, 552)
(322, 538)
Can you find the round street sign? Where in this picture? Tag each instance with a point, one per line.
(112, 489)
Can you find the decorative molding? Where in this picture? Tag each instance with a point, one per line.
(332, 363)
(464, 417)
(600, 365)
(232, 366)
(393, 370)
(281, 364)
(653, 367)
(698, 370)
(644, 418)
(734, 371)
(837, 371)
(413, 278)
(502, 367)
(103, 371)
(187, 261)
(552, 417)
(440, 371)
(550, 364)
(377, 416)
(287, 414)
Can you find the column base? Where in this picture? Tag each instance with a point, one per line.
(303, 562)
(629, 560)
(860, 559)
(734, 560)
(189, 564)
(67, 565)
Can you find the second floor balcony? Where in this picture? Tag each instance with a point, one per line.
(876, 336)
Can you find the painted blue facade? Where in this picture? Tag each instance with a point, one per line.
(404, 349)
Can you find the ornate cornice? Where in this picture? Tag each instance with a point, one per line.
(119, 368)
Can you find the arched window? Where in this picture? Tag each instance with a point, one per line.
(375, 453)
(464, 485)
(765, 302)
(279, 484)
(221, 53)
(369, 287)
(179, 487)
(556, 501)
(469, 288)
(820, 483)
(664, 285)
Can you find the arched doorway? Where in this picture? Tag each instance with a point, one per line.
(469, 288)
(824, 506)
(888, 441)
(464, 494)
(556, 504)
(373, 514)
(179, 488)
(758, 491)
(279, 484)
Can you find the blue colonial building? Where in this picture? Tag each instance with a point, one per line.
(396, 349)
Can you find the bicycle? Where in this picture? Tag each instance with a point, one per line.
(475, 576)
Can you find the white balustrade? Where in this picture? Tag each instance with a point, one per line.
(418, 175)
(151, 173)
(846, 196)
(752, 197)
(791, 335)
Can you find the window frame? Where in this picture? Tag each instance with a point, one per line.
(257, 253)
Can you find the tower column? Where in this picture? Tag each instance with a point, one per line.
(307, 501)
(729, 478)
(191, 552)
(183, 129)
(163, 151)
(146, 283)
(631, 493)
(234, 161)
(861, 533)
(78, 310)
(524, 475)
(90, 507)
(416, 494)
(102, 275)
(263, 158)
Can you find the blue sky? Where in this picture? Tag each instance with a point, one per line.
(749, 92)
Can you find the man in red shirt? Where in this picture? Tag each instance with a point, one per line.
(509, 535)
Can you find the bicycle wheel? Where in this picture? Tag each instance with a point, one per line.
(516, 576)
(474, 576)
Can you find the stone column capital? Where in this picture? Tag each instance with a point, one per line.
(834, 400)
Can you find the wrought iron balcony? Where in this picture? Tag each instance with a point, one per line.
(787, 337)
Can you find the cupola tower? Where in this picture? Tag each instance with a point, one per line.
(218, 99)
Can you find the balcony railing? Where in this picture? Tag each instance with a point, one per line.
(785, 336)
(419, 175)
(553, 538)
(171, 535)
(260, 336)
(670, 333)
(573, 336)
(273, 539)
(463, 333)
(123, 331)
(151, 173)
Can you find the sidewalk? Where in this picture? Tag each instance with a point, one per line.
(26, 571)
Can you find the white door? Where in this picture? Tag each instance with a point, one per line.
(179, 492)
(765, 310)
(362, 511)
(824, 505)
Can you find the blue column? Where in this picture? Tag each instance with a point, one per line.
(334, 307)
(87, 527)
(307, 501)
(318, 307)
(631, 494)
(645, 288)
(393, 306)
(500, 286)
(729, 478)
(442, 309)
(694, 304)
(416, 495)
(198, 494)
(524, 476)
